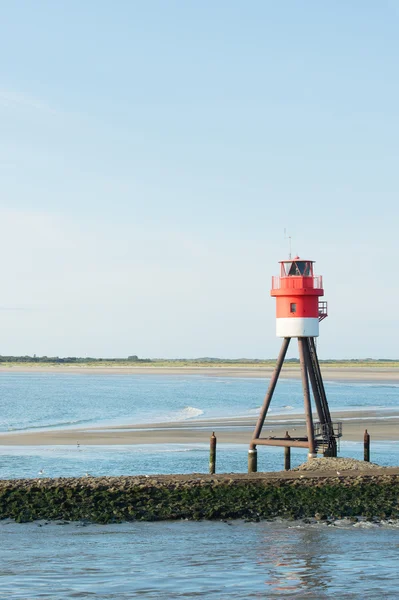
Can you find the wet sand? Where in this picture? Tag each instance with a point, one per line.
(382, 425)
(367, 374)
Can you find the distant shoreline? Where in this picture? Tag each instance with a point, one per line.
(364, 374)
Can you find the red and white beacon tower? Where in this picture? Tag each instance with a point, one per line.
(297, 293)
(298, 314)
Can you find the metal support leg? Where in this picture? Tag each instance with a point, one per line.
(306, 395)
(270, 391)
(313, 381)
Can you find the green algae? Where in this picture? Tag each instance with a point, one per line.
(132, 500)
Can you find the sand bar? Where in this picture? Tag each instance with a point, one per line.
(382, 425)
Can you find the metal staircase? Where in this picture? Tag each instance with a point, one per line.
(323, 312)
(326, 432)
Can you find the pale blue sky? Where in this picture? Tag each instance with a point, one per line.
(152, 153)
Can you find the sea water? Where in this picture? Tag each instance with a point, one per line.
(31, 401)
(220, 560)
(43, 401)
(217, 560)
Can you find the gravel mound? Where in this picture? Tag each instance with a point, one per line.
(336, 464)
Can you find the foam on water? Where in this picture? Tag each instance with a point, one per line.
(188, 412)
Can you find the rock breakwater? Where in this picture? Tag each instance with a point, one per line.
(291, 495)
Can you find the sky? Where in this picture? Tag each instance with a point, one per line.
(156, 155)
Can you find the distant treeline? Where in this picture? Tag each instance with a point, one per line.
(176, 361)
(70, 359)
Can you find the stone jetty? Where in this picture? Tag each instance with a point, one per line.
(332, 489)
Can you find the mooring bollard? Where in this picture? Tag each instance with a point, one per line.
(366, 446)
(252, 460)
(212, 456)
(287, 453)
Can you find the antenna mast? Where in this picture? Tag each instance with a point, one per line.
(289, 243)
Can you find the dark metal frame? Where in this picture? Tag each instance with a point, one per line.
(322, 435)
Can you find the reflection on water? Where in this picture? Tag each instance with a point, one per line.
(294, 561)
(220, 560)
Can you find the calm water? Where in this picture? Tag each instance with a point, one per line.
(151, 459)
(43, 400)
(217, 560)
(184, 559)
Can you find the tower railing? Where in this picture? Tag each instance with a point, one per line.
(296, 282)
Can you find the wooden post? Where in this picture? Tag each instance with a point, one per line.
(252, 460)
(287, 454)
(366, 446)
(212, 455)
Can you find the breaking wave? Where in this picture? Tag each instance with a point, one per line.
(189, 412)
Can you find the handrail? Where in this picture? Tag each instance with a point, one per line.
(297, 282)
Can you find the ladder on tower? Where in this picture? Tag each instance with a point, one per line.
(326, 432)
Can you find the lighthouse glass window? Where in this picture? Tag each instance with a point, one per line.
(301, 268)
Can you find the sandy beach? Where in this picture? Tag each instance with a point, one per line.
(363, 374)
(382, 425)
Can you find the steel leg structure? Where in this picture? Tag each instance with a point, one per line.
(321, 436)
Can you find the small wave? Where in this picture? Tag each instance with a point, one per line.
(182, 450)
(360, 384)
(55, 425)
(252, 411)
(366, 525)
(189, 412)
(379, 385)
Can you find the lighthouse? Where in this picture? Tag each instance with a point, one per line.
(299, 311)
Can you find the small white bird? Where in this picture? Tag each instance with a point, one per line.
(301, 476)
(338, 472)
(41, 472)
(88, 475)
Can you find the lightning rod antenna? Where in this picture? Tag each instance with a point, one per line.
(289, 242)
